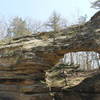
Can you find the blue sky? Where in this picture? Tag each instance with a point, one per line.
(41, 9)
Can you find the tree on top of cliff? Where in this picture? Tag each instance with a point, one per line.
(56, 23)
(96, 4)
(18, 27)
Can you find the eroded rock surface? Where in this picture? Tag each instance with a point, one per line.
(23, 61)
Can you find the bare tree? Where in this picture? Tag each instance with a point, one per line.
(71, 58)
(98, 59)
(82, 19)
(18, 27)
(34, 26)
(96, 4)
(3, 28)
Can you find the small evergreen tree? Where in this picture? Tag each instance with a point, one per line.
(56, 23)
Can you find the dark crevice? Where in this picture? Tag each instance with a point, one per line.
(64, 92)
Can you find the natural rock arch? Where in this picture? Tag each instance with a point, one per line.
(26, 58)
(45, 53)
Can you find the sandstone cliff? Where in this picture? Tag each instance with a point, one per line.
(23, 60)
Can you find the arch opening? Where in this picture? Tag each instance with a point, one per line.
(86, 60)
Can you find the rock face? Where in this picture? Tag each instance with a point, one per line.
(23, 61)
